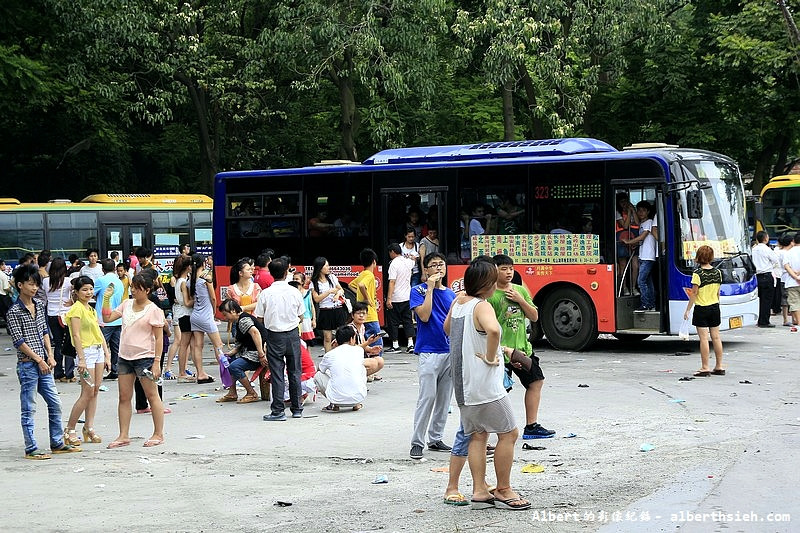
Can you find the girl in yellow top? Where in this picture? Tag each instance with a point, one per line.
(93, 356)
(704, 296)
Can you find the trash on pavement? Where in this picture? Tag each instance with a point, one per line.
(532, 468)
(383, 478)
(646, 447)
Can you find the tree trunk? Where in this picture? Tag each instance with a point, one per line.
(209, 157)
(508, 110)
(348, 119)
(537, 126)
(348, 111)
(762, 167)
(783, 151)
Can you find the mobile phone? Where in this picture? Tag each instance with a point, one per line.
(382, 334)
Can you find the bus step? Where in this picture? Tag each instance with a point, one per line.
(642, 331)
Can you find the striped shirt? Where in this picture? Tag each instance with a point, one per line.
(27, 329)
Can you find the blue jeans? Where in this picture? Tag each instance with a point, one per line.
(112, 334)
(646, 288)
(373, 328)
(31, 381)
(461, 442)
(239, 366)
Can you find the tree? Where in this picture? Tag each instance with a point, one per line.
(372, 54)
(553, 50)
(150, 58)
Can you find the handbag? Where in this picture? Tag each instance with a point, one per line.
(67, 348)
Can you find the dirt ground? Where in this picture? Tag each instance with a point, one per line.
(223, 468)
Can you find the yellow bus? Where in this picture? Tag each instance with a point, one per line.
(780, 199)
(108, 222)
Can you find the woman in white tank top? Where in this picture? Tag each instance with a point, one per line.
(477, 368)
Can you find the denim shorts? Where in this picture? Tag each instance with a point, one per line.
(94, 355)
(135, 366)
(461, 443)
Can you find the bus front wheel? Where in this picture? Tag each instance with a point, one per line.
(569, 320)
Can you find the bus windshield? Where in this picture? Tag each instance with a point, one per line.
(781, 210)
(724, 225)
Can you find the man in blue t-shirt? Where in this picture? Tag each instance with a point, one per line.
(111, 330)
(431, 302)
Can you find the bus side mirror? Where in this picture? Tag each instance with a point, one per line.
(694, 204)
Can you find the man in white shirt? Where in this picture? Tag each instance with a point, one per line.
(94, 270)
(281, 309)
(791, 262)
(398, 293)
(342, 375)
(765, 259)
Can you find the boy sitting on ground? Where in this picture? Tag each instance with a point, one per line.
(342, 375)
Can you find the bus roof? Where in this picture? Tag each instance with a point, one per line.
(498, 153)
(114, 202)
(544, 147)
(790, 180)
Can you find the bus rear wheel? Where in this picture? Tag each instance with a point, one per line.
(569, 320)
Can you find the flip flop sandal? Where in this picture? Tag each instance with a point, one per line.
(203, 381)
(248, 399)
(482, 504)
(455, 499)
(702, 374)
(357, 407)
(152, 442)
(331, 408)
(37, 455)
(506, 504)
(118, 444)
(226, 399)
(720, 372)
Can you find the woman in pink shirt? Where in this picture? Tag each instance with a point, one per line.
(141, 340)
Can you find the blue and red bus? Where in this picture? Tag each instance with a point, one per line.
(550, 204)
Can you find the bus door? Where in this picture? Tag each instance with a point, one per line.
(417, 207)
(630, 315)
(124, 238)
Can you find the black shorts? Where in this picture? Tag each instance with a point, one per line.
(706, 316)
(185, 324)
(329, 319)
(525, 377)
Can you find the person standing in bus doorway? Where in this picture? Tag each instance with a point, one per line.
(648, 252)
(366, 286)
(281, 309)
(765, 259)
(706, 282)
(626, 227)
(410, 249)
(431, 302)
(398, 293)
(111, 330)
(94, 270)
(512, 305)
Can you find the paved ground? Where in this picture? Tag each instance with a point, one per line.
(719, 446)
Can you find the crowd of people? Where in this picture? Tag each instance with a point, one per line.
(76, 322)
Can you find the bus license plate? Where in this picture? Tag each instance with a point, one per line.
(735, 322)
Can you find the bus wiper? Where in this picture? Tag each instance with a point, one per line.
(731, 255)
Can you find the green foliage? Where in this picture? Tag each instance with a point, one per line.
(154, 95)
